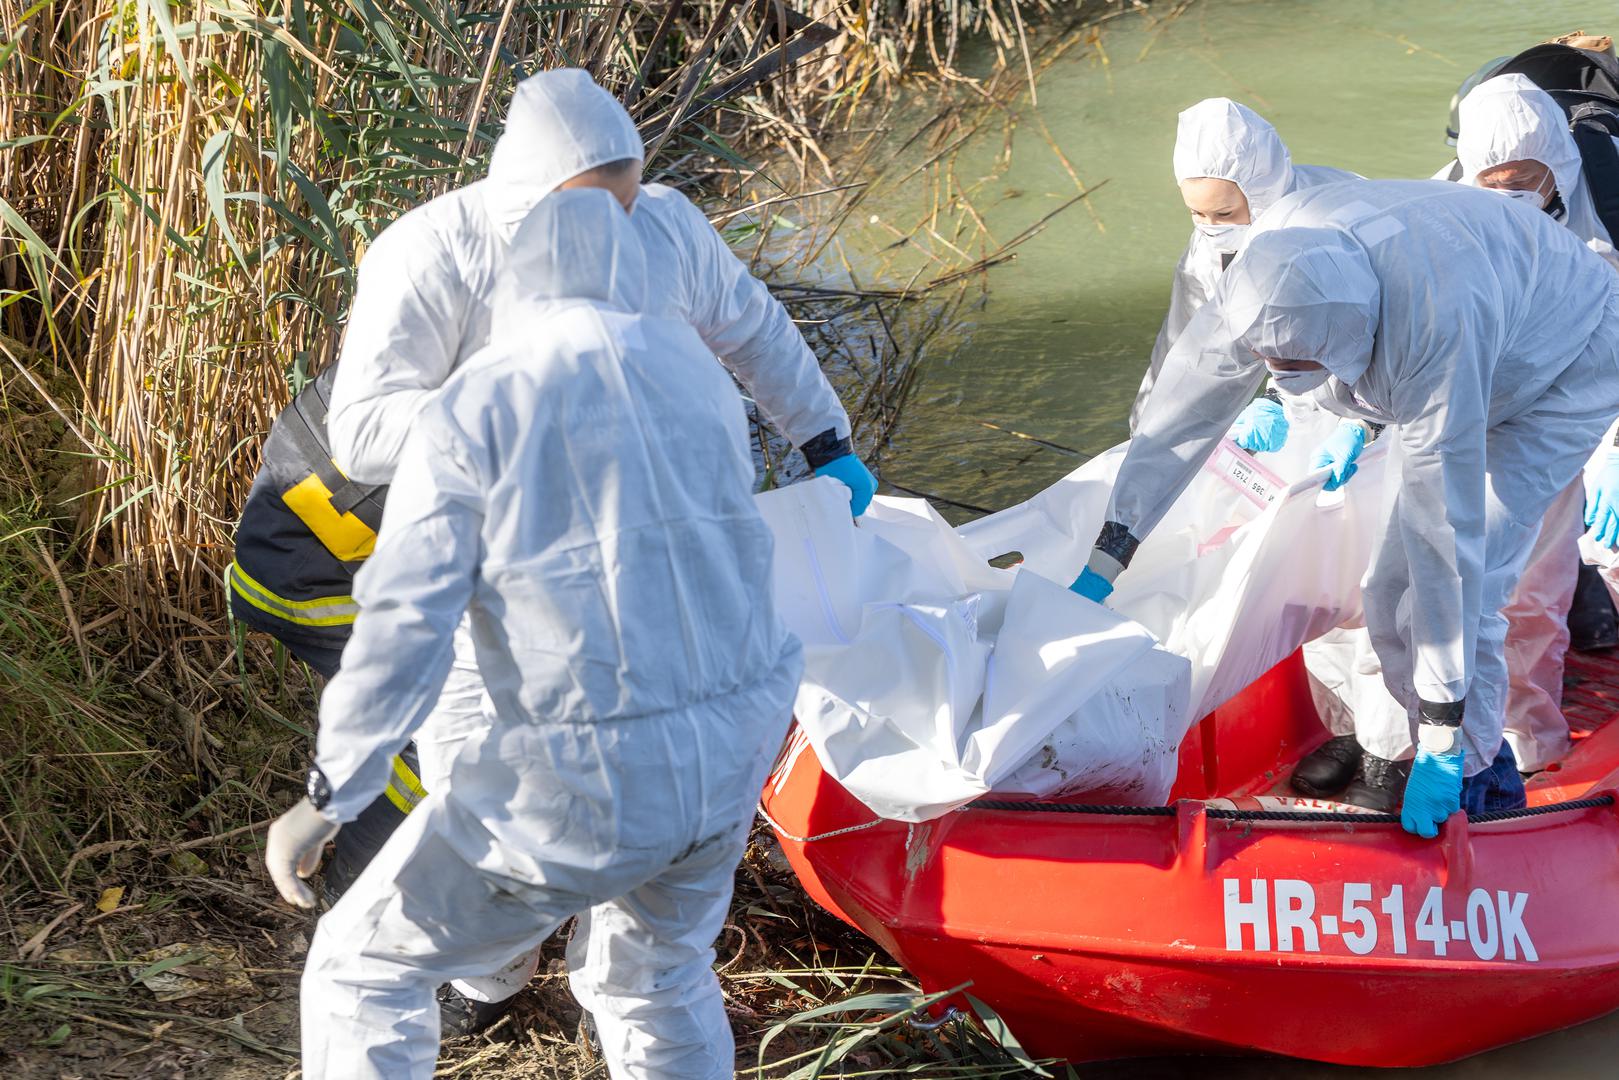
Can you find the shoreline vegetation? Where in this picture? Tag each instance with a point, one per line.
(186, 187)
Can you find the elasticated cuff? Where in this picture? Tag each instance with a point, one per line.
(825, 447)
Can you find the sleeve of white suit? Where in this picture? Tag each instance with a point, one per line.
(1439, 515)
(412, 593)
(403, 338)
(752, 334)
(1186, 296)
(1205, 382)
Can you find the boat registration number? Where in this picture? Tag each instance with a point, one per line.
(1285, 915)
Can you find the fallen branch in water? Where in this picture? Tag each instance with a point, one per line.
(935, 498)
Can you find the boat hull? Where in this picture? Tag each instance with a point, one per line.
(1209, 927)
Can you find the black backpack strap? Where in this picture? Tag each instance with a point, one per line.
(304, 424)
(1594, 129)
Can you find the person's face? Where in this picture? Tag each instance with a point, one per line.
(1526, 175)
(1295, 376)
(624, 184)
(1215, 202)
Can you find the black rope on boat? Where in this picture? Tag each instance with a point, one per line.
(1305, 816)
(1325, 816)
(1549, 808)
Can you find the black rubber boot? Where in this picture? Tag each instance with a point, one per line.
(1592, 623)
(1379, 785)
(358, 842)
(1329, 768)
(459, 1015)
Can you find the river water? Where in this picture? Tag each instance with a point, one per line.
(1055, 344)
(1057, 348)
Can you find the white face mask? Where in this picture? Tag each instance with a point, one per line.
(1298, 382)
(1226, 236)
(1533, 197)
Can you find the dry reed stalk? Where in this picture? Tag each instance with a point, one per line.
(189, 184)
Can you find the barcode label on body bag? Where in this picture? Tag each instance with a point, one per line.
(1258, 484)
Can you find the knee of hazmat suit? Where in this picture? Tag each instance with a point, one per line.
(1483, 335)
(422, 305)
(1509, 119)
(1224, 140)
(547, 490)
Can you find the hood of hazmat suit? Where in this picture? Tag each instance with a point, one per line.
(577, 248)
(1509, 118)
(1307, 294)
(426, 284)
(1220, 138)
(539, 490)
(1483, 334)
(561, 123)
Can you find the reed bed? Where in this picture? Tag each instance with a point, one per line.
(189, 186)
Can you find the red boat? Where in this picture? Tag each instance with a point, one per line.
(1238, 921)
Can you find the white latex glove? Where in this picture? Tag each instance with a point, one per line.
(292, 851)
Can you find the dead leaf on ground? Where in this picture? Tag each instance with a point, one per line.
(185, 970)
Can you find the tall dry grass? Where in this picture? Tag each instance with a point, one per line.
(187, 187)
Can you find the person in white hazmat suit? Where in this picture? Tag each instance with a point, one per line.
(1517, 141)
(1231, 166)
(640, 680)
(1513, 139)
(423, 305)
(1487, 337)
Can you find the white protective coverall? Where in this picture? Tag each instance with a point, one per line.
(639, 676)
(423, 307)
(1507, 118)
(1222, 139)
(1481, 331)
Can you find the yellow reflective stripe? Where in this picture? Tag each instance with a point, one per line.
(404, 789)
(324, 611)
(344, 535)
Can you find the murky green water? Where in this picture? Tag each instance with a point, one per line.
(1057, 347)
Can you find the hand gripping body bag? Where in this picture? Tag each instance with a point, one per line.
(932, 678)
(1244, 568)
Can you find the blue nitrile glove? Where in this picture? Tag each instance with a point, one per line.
(1602, 504)
(1261, 427)
(1092, 586)
(853, 474)
(1434, 791)
(1339, 452)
